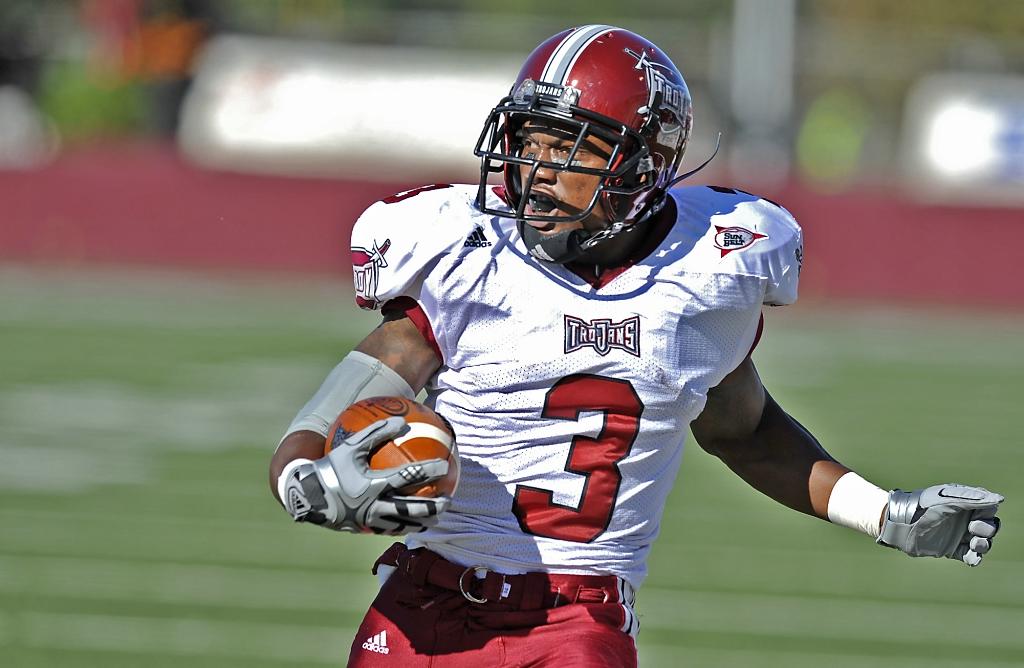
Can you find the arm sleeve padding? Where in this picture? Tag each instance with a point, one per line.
(358, 376)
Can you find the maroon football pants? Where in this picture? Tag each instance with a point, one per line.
(418, 625)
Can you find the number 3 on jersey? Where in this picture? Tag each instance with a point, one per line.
(595, 458)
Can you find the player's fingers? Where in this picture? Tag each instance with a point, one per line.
(972, 559)
(416, 473)
(396, 518)
(420, 507)
(413, 507)
(964, 553)
(986, 528)
(986, 513)
(980, 545)
(442, 503)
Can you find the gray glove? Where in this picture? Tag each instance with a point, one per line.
(340, 491)
(953, 521)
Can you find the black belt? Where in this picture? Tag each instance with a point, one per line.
(480, 585)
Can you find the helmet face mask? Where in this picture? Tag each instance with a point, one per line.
(500, 148)
(589, 83)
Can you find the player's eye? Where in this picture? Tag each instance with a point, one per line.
(561, 154)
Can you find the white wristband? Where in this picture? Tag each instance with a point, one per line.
(857, 504)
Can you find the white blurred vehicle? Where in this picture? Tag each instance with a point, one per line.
(283, 106)
(963, 138)
(27, 138)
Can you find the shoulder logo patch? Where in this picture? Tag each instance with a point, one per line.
(366, 266)
(476, 239)
(729, 239)
(602, 335)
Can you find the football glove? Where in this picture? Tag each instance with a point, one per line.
(952, 521)
(340, 491)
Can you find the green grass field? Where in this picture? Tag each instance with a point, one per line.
(138, 412)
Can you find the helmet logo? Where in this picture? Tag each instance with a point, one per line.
(664, 94)
(366, 266)
(729, 239)
(524, 91)
(642, 62)
(563, 97)
(569, 97)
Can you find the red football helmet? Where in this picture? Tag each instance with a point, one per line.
(598, 81)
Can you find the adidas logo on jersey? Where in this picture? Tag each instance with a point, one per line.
(378, 643)
(477, 239)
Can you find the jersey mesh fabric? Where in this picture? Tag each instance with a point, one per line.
(535, 357)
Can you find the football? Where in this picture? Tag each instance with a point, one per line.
(429, 437)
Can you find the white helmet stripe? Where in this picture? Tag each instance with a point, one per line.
(579, 52)
(565, 55)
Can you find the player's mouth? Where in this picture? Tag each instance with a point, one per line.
(539, 204)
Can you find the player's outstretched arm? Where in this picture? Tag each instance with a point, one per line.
(743, 426)
(339, 490)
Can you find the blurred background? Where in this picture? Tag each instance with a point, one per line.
(178, 181)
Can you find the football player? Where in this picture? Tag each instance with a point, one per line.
(571, 324)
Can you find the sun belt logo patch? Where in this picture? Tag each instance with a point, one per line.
(366, 266)
(729, 239)
(602, 335)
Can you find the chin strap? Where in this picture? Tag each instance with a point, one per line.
(559, 248)
(568, 246)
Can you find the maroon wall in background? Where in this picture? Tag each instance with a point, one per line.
(141, 205)
(875, 245)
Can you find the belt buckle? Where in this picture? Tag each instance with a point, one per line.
(464, 590)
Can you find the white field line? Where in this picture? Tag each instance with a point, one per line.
(75, 437)
(194, 585)
(154, 538)
(179, 636)
(766, 614)
(45, 520)
(66, 469)
(902, 347)
(213, 415)
(180, 300)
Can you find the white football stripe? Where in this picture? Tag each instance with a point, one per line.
(556, 55)
(424, 430)
(555, 69)
(579, 52)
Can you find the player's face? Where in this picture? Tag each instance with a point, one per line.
(560, 193)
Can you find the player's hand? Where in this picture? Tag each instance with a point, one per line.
(340, 491)
(953, 521)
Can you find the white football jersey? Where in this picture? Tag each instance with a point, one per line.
(571, 403)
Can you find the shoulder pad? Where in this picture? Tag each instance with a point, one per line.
(396, 240)
(746, 234)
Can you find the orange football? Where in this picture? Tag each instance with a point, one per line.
(429, 437)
